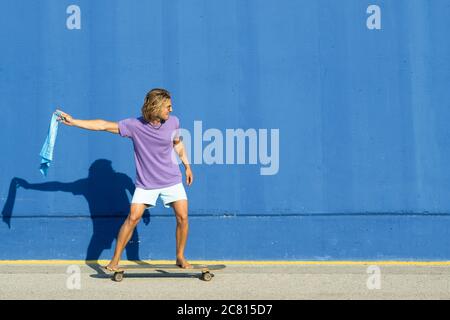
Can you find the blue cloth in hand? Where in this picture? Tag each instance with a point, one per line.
(49, 144)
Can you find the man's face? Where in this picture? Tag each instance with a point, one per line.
(166, 109)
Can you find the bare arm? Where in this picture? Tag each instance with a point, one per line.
(179, 149)
(96, 125)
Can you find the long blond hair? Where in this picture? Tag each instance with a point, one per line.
(153, 102)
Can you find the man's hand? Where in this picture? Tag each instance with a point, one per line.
(64, 118)
(189, 176)
(21, 183)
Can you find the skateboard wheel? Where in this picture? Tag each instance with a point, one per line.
(206, 276)
(118, 276)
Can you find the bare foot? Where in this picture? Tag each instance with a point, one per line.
(113, 268)
(182, 263)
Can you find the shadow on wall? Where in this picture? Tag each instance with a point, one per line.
(105, 191)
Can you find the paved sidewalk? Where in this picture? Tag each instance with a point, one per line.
(248, 282)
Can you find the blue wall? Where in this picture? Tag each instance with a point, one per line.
(362, 117)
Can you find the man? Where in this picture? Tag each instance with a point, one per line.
(154, 136)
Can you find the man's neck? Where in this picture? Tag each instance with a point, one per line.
(155, 121)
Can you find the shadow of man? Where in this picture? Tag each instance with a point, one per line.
(105, 191)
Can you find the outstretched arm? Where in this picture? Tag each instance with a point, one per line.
(96, 125)
(46, 186)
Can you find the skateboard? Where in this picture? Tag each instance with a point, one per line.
(205, 270)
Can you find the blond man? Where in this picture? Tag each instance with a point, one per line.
(155, 137)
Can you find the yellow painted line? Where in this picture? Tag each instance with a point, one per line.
(235, 262)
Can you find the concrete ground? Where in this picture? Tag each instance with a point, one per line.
(236, 281)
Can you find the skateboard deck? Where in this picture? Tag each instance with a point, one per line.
(205, 270)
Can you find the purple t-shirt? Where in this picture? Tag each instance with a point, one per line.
(153, 151)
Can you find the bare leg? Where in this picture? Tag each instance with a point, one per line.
(181, 213)
(126, 231)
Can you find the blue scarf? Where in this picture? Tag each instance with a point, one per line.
(49, 144)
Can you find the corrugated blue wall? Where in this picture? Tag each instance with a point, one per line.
(362, 116)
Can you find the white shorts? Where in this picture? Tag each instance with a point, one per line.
(168, 195)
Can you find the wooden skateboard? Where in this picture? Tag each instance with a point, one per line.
(205, 270)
